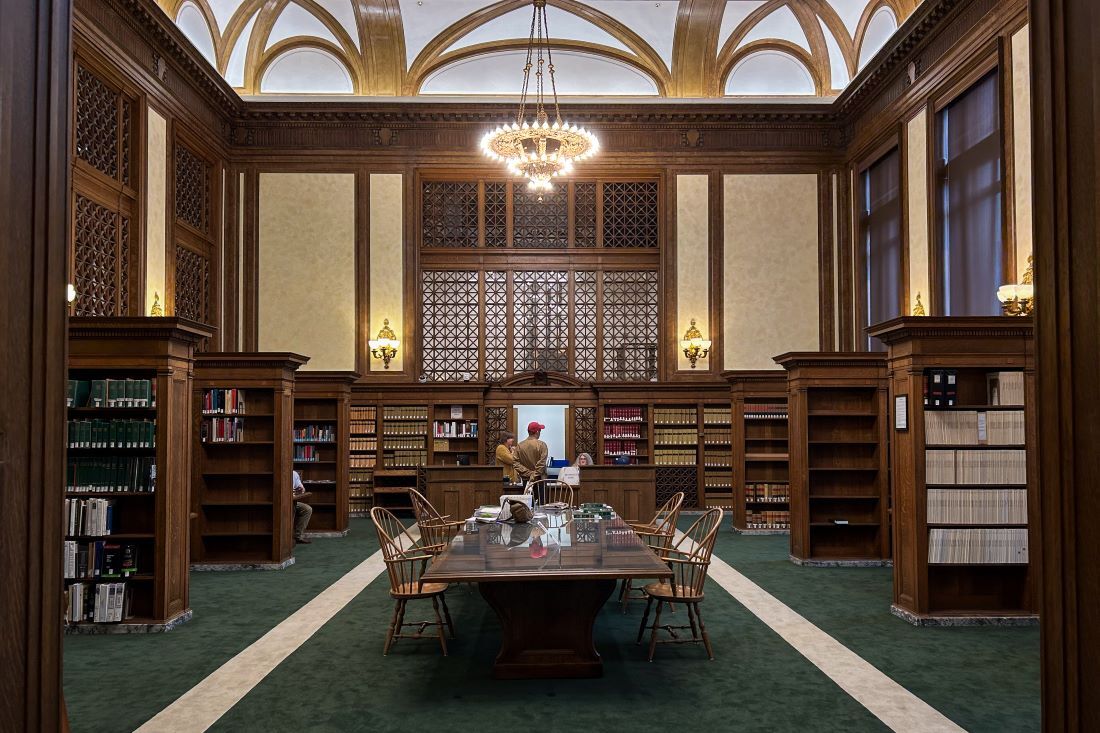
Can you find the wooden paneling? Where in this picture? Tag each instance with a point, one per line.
(457, 491)
(629, 489)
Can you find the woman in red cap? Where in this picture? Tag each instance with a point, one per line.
(531, 455)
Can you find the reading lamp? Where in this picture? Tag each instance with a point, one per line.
(385, 346)
(694, 345)
(1018, 299)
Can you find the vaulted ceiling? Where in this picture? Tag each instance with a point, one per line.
(654, 48)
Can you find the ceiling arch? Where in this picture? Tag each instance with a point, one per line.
(668, 48)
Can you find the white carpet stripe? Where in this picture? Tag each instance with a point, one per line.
(202, 705)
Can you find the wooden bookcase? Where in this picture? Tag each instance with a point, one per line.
(978, 589)
(455, 431)
(716, 457)
(761, 470)
(154, 523)
(404, 434)
(362, 458)
(676, 435)
(838, 458)
(321, 423)
(241, 489)
(625, 431)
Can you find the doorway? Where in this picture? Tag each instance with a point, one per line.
(553, 417)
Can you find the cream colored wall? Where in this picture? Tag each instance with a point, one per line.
(916, 200)
(387, 261)
(692, 260)
(1021, 146)
(770, 275)
(156, 203)
(307, 267)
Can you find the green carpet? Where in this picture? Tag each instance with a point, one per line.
(983, 678)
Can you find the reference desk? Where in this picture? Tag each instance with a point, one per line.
(547, 580)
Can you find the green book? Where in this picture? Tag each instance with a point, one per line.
(83, 387)
(145, 393)
(128, 392)
(98, 393)
(70, 394)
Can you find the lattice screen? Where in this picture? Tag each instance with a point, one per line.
(584, 430)
(123, 264)
(496, 423)
(630, 317)
(449, 214)
(496, 325)
(584, 320)
(97, 123)
(630, 214)
(540, 224)
(584, 214)
(540, 333)
(192, 189)
(97, 262)
(496, 214)
(670, 479)
(449, 321)
(192, 285)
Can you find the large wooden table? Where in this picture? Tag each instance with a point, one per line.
(547, 581)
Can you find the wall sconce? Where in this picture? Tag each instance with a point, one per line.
(385, 346)
(70, 294)
(1018, 299)
(694, 345)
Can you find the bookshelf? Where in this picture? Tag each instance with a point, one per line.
(676, 435)
(839, 482)
(362, 458)
(761, 470)
(321, 446)
(405, 435)
(137, 461)
(716, 460)
(455, 432)
(625, 433)
(241, 486)
(964, 487)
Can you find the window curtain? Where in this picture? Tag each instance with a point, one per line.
(882, 241)
(970, 144)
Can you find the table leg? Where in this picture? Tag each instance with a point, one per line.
(546, 627)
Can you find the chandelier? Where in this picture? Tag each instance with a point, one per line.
(542, 149)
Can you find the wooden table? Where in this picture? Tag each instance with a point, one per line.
(547, 581)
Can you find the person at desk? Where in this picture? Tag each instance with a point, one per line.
(572, 474)
(531, 454)
(506, 456)
(302, 511)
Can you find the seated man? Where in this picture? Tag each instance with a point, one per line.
(302, 511)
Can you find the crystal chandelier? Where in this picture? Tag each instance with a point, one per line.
(542, 149)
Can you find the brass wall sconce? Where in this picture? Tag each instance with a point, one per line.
(1018, 299)
(694, 345)
(385, 346)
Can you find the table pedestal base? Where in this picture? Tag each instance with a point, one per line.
(546, 627)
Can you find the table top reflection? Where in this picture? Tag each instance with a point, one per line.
(554, 545)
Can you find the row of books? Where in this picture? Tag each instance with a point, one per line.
(1005, 388)
(112, 433)
(767, 492)
(615, 430)
(222, 430)
(717, 457)
(949, 546)
(768, 520)
(716, 416)
(454, 429)
(673, 415)
(995, 467)
(714, 436)
(405, 428)
(977, 506)
(760, 411)
(228, 401)
(624, 414)
(358, 461)
(941, 388)
(89, 517)
(405, 459)
(673, 457)
(362, 474)
(98, 559)
(363, 444)
(676, 436)
(363, 427)
(111, 473)
(717, 481)
(974, 427)
(405, 443)
(406, 413)
(306, 454)
(360, 497)
(97, 603)
(315, 433)
(111, 393)
(620, 448)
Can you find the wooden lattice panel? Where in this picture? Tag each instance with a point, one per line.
(449, 214)
(584, 320)
(631, 214)
(584, 430)
(630, 329)
(540, 224)
(540, 333)
(124, 265)
(449, 323)
(124, 152)
(192, 189)
(96, 231)
(97, 123)
(192, 285)
(496, 424)
(496, 214)
(670, 479)
(584, 214)
(496, 325)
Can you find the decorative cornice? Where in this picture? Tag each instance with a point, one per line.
(909, 328)
(250, 360)
(794, 359)
(138, 327)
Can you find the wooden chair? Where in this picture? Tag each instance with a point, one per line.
(657, 534)
(436, 530)
(550, 491)
(689, 560)
(406, 560)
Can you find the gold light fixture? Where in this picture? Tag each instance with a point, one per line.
(156, 309)
(694, 345)
(385, 346)
(542, 149)
(70, 294)
(918, 307)
(1018, 299)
